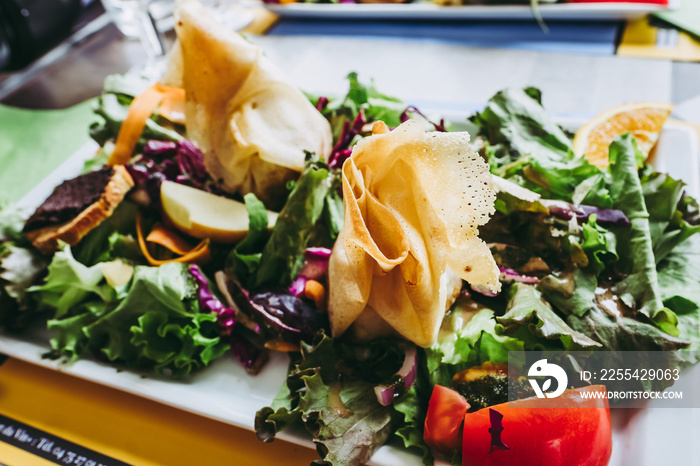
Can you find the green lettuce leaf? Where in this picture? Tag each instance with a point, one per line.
(617, 332)
(639, 289)
(412, 407)
(332, 218)
(243, 260)
(114, 238)
(524, 144)
(679, 279)
(374, 104)
(516, 117)
(600, 246)
(21, 266)
(153, 323)
(280, 414)
(171, 343)
(592, 191)
(621, 333)
(283, 255)
(527, 309)
(669, 208)
(345, 420)
(68, 337)
(331, 387)
(678, 276)
(157, 325)
(460, 347)
(246, 260)
(378, 106)
(70, 283)
(570, 293)
(557, 178)
(514, 198)
(77, 296)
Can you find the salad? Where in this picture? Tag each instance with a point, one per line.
(227, 214)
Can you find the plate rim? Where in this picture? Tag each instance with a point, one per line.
(408, 11)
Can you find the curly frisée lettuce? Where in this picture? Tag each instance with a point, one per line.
(151, 322)
(330, 389)
(20, 267)
(70, 283)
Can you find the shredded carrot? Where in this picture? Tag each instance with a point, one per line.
(140, 110)
(199, 254)
(317, 293)
(280, 345)
(169, 239)
(173, 105)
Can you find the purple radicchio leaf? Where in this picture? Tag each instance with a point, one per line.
(280, 314)
(315, 268)
(252, 356)
(508, 275)
(181, 162)
(406, 115)
(190, 160)
(209, 303)
(342, 149)
(567, 211)
(322, 103)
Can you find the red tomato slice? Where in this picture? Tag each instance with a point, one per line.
(563, 431)
(443, 423)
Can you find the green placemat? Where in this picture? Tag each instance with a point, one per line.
(34, 142)
(686, 18)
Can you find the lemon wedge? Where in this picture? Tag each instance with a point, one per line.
(644, 120)
(204, 215)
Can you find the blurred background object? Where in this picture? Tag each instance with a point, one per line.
(149, 20)
(138, 19)
(28, 28)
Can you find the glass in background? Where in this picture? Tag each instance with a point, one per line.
(147, 20)
(136, 19)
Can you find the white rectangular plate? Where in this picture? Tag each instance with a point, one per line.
(428, 11)
(224, 391)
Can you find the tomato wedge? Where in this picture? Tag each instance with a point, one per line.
(567, 430)
(443, 422)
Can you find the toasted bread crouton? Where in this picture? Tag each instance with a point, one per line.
(46, 239)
